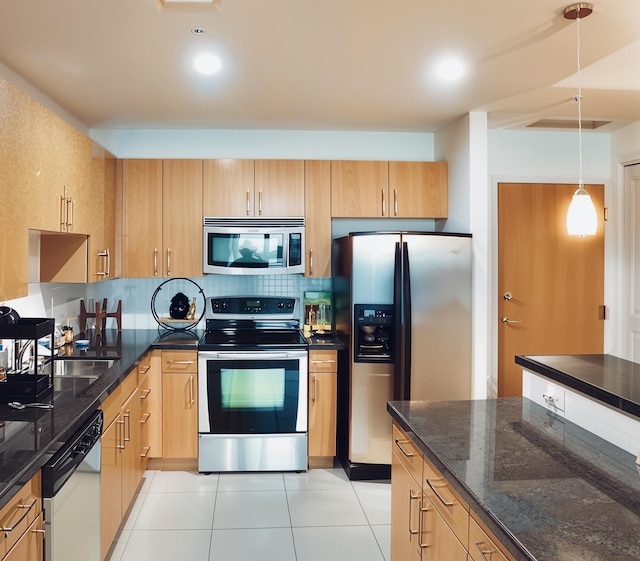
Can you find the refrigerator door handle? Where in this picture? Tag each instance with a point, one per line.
(406, 321)
(398, 378)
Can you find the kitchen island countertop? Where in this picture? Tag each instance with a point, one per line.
(546, 488)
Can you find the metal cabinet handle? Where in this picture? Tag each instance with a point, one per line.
(506, 320)
(433, 488)
(70, 206)
(191, 393)
(144, 394)
(107, 263)
(248, 207)
(484, 552)
(7, 529)
(260, 202)
(395, 202)
(63, 213)
(313, 389)
(144, 369)
(551, 400)
(168, 261)
(422, 510)
(120, 435)
(412, 498)
(180, 362)
(408, 455)
(155, 262)
(145, 451)
(311, 261)
(315, 361)
(145, 418)
(384, 210)
(127, 416)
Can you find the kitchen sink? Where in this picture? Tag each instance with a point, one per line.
(81, 368)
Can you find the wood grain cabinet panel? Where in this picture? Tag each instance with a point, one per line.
(359, 189)
(418, 189)
(323, 383)
(317, 218)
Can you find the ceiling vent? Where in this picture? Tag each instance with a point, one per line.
(188, 5)
(566, 124)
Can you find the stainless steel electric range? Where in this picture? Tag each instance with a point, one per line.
(252, 386)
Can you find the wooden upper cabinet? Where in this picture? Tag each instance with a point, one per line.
(253, 188)
(359, 189)
(389, 189)
(228, 187)
(318, 218)
(142, 217)
(279, 188)
(418, 189)
(182, 218)
(162, 218)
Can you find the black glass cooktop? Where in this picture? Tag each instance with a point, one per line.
(251, 340)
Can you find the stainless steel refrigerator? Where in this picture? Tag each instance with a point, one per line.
(403, 302)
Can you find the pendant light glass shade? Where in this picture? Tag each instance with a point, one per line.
(582, 219)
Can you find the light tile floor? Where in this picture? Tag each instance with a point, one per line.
(315, 516)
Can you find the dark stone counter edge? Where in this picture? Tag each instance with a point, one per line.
(571, 381)
(506, 538)
(84, 408)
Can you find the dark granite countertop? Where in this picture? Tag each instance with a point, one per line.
(606, 378)
(548, 489)
(330, 341)
(31, 436)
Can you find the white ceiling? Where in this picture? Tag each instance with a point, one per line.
(361, 65)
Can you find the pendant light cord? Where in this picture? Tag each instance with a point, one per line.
(579, 100)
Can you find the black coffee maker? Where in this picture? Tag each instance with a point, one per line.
(373, 337)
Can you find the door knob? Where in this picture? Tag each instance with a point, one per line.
(507, 296)
(506, 320)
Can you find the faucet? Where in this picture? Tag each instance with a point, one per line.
(19, 353)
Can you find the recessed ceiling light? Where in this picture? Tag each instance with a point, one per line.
(450, 69)
(208, 63)
(197, 31)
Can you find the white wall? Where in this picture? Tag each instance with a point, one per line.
(259, 144)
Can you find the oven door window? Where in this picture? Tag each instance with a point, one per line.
(247, 251)
(250, 397)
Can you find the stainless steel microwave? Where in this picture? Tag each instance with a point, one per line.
(253, 246)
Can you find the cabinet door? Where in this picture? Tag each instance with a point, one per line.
(179, 415)
(418, 189)
(279, 188)
(405, 502)
(322, 413)
(359, 189)
(228, 187)
(131, 465)
(318, 218)
(142, 218)
(30, 546)
(102, 240)
(435, 538)
(182, 218)
(110, 484)
(155, 405)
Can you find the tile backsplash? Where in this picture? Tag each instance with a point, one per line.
(62, 301)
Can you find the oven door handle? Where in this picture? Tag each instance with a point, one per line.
(250, 355)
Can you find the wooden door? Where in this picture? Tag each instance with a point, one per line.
(228, 187)
(322, 413)
(550, 284)
(142, 218)
(359, 189)
(418, 189)
(279, 188)
(318, 218)
(405, 501)
(182, 218)
(131, 458)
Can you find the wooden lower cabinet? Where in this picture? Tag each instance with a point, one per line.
(22, 521)
(121, 463)
(429, 520)
(179, 404)
(323, 383)
(30, 546)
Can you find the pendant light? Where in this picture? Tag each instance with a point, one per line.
(582, 219)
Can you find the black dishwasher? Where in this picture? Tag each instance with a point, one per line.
(71, 496)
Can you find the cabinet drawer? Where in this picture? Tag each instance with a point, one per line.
(446, 501)
(323, 361)
(180, 361)
(482, 547)
(409, 456)
(19, 513)
(543, 392)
